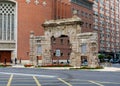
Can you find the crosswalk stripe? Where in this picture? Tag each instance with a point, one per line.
(10, 80)
(36, 80)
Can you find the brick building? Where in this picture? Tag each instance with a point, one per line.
(85, 12)
(107, 23)
(19, 17)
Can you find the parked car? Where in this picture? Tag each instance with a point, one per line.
(116, 61)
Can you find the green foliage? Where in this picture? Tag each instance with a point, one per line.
(109, 57)
(86, 67)
(101, 56)
(5, 65)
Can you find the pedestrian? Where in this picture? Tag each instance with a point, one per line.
(15, 60)
(20, 61)
(11, 61)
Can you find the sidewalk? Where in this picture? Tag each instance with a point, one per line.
(17, 66)
(111, 69)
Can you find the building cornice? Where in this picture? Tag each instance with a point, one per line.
(59, 22)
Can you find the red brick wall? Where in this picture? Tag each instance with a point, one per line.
(63, 9)
(85, 18)
(30, 18)
(61, 43)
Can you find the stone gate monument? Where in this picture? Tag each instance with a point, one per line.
(84, 45)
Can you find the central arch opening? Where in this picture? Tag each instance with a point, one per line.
(60, 49)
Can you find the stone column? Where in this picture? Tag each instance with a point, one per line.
(46, 47)
(32, 49)
(75, 54)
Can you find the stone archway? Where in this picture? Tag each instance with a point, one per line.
(82, 44)
(70, 27)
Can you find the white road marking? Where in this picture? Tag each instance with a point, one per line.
(10, 80)
(96, 83)
(36, 80)
(64, 82)
(22, 74)
(108, 82)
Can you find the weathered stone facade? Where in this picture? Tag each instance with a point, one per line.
(71, 28)
(90, 40)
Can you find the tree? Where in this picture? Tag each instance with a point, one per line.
(109, 57)
(101, 57)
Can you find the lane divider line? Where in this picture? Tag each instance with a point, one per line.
(10, 80)
(96, 83)
(108, 82)
(64, 82)
(36, 80)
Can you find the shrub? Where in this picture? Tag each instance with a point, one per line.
(28, 65)
(86, 67)
(101, 57)
(5, 65)
(56, 65)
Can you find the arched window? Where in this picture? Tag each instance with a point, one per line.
(7, 20)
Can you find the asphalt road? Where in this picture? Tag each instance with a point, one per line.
(116, 65)
(43, 77)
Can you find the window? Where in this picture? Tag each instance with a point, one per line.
(90, 26)
(61, 54)
(7, 21)
(54, 54)
(96, 0)
(61, 41)
(84, 48)
(68, 54)
(82, 13)
(39, 50)
(86, 25)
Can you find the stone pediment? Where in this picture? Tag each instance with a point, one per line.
(60, 22)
